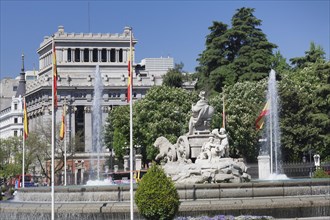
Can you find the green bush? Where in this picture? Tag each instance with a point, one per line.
(156, 196)
(320, 173)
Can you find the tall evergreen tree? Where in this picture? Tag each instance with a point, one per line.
(239, 53)
(314, 54)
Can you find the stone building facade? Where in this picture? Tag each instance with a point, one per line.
(78, 54)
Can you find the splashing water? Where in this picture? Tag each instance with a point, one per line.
(97, 122)
(272, 132)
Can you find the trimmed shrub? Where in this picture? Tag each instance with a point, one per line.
(320, 173)
(156, 196)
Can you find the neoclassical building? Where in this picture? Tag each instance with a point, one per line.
(11, 103)
(78, 55)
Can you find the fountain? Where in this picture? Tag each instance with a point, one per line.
(97, 123)
(203, 157)
(271, 148)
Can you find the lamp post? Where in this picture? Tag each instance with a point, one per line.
(317, 161)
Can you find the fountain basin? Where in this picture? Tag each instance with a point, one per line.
(119, 193)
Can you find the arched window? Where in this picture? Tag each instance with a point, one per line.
(69, 55)
(95, 56)
(104, 55)
(121, 55)
(86, 55)
(113, 55)
(77, 55)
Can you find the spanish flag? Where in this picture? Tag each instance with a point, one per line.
(54, 76)
(261, 118)
(62, 130)
(130, 77)
(25, 121)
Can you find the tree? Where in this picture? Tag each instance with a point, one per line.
(156, 196)
(11, 156)
(38, 149)
(314, 54)
(305, 114)
(117, 130)
(164, 111)
(240, 53)
(243, 103)
(174, 77)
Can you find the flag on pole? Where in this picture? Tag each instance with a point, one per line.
(25, 121)
(62, 130)
(261, 118)
(130, 74)
(54, 76)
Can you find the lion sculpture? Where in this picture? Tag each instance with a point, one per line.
(167, 151)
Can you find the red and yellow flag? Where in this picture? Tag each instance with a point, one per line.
(261, 118)
(25, 121)
(54, 76)
(62, 130)
(130, 75)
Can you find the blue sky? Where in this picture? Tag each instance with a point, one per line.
(162, 28)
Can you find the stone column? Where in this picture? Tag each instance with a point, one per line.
(264, 166)
(81, 55)
(73, 57)
(138, 161)
(90, 55)
(88, 129)
(126, 162)
(125, 54)
(75, 176)
(65, 55)
(99, 54)
(108, 55)
(117, 56)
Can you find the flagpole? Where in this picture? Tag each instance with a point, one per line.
(223, 111)
(53, 137)
(23, 157)
(64, 109)
(271, 133)
(131, 127)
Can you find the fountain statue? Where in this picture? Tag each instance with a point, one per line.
(201, 155)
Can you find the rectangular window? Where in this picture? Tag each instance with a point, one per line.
(15, 120)
(104, 55)
(69, 55)
(113, 55)
(15, 133)
(14, 88)
(77, 55)
(95, 56)
(15, 106)
(86, 55)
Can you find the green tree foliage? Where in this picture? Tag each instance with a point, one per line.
(279, 64)
(156, 196)
(234, 54)
(305, 114)
(174, 77)
(11, 156)
(164, 111)
(313, 55)
(116, 134)
(243, 103)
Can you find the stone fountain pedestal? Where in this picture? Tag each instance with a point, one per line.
(264, 166)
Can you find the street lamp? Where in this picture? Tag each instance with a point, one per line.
(317, 161)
